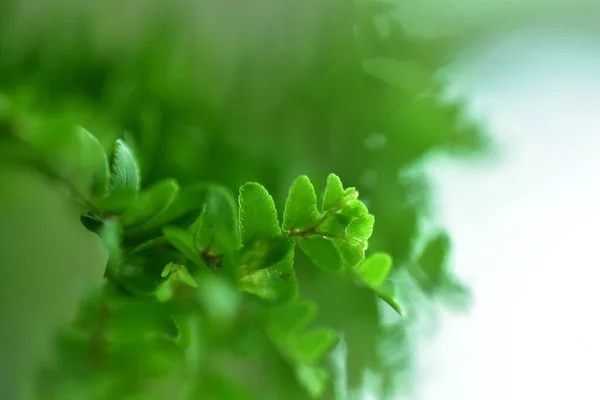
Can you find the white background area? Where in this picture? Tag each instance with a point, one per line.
(525, 227)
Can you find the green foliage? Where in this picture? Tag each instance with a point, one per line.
(195, 281)
(208, 107)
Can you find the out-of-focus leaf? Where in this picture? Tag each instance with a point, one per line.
(111, 234)
(311, 346)
(201, 231)
(287, 319)
(374, 270)
(221, 218)
(184, 242)
(275, 283)
(314, 379)
(189, 200)
(402, 74)
(116, 202)
(151, 202)
(263, 253)
(433, 258)
(221, 301)
(322, 252)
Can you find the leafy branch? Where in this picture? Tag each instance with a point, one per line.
(175, 251)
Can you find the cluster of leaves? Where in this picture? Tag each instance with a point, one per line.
(344, 88)
(187, 263)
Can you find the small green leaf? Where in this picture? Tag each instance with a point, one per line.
(264, 253)
(433, 259)
(322, 252)
(176, 274)
(180, 273)
(352, 252)
(184, 242)
(301, 205)
(116, 202)
(314, 379)
(164, 292)
(96, 160)
(125, 169)
(361, 228)
(111, 234)
(374, 270)
(222, 219)
(275, 283)
(335, 225)
(151, 202)
(188, 201)
(200, 230)
(289, 318)
(389, 299)
(310, 347)
(258, 215)
(351, 193)
(334, 192)
(354, 208)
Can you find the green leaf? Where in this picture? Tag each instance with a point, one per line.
(352, 252)
(222, 219)
(151, 202)
(184, 242)
(189, 199)
(116, 202)
(221, 300)
(258, 215)
(374, 270)
(125, 169)
(405, 74)
(201, 231)
(361, 228)
(275, 283)
(322, 252)
(433, 259)
(174, 274)
(301, 205)
(310, 347)
(387, 297)
(354, 208)
(181, 273)
(334, 192)
(111, 235)
(335, 225)
(314, 379)
(96, 160)
(287, 319)
(264, 253)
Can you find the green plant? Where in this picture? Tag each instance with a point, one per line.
(346, 89)
(188, 266)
